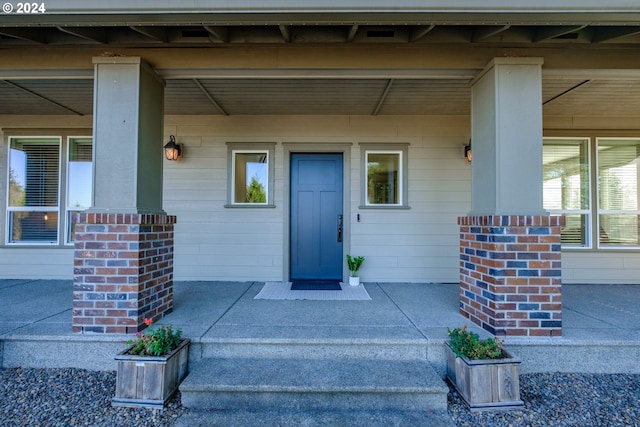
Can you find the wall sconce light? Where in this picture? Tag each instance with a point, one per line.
(171, 149)
(467, 152)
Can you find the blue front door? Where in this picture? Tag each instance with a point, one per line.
(316, 216)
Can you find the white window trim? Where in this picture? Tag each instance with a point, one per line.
(67, 208)
(588, 244)
(62, 135)
(598, 211)
(594, 212)
(233, 148)
(385, 148)
(7, 237)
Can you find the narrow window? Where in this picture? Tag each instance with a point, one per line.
(384, 178)
(79, 179)
(618, 175)
(33, 199)
(566, 188)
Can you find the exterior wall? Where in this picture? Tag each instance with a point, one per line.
(419, 244)
(213, 242)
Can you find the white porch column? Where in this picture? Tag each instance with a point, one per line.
(506, 138)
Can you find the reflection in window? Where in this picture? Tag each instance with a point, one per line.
(79, 179)
(250, 177)
(33, 185)
(618, 174)
(383, 178)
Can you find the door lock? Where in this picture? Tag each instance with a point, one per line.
(339, 228)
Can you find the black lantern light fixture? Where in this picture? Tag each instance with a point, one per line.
(467, 152)
(171, 149)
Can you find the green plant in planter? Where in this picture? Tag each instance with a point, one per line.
(469, 344)
(354, 264)
(155, 342)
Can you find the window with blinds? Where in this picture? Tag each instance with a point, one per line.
(43, 191)
(610, 177)
(618, 175)
(566, 187)
(34, 185)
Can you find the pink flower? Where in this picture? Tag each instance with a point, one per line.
(148, 321)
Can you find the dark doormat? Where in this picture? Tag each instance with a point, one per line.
(315, 285)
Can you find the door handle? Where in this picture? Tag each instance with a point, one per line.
(339, 228)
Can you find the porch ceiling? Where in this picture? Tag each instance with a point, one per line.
(366, 93)
(599, 96)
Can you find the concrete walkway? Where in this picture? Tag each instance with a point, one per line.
(595, 317)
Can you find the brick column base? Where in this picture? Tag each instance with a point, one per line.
(123, 271)
(510, 274)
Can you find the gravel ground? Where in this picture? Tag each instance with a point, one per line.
(71, 397)
(76, 397)
(563, 400)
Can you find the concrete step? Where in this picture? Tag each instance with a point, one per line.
(305, 342)
(313, 384)
(351, 418)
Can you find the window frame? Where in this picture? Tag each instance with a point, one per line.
(9, 209)
(67, 209)
(593, 222)
(589, 211)
(234, 148)
(402, 149)
(63, 222)
(600, 212)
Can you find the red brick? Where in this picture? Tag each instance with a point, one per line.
(516, 332)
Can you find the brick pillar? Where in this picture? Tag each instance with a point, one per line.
(510, 274)
(123, 271)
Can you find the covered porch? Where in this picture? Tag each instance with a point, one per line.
(405, 321)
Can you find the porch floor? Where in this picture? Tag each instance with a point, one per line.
(36, 311)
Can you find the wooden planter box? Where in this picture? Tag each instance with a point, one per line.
(491, 384)
(150, 381)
